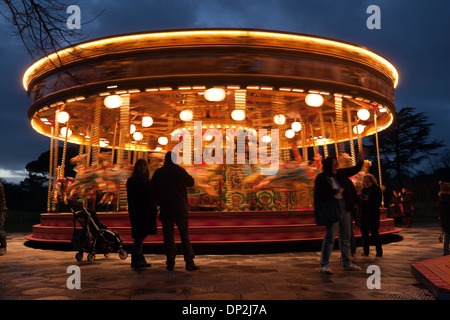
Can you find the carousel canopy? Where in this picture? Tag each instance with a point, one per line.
(137, 91)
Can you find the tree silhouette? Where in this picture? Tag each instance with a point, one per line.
(405, 145)
(41, 24)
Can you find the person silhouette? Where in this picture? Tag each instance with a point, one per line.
(169, 185)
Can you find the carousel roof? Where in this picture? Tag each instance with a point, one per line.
(263, 74)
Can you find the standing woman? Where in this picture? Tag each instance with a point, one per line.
(142, 211)
(330, 185)
(370, 214)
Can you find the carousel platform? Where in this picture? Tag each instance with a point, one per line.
(208, 227)
(434, 274)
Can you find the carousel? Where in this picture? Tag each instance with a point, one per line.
(250, 113)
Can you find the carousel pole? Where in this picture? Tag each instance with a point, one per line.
(124, 128)
(124, 134)
(359, 138)
(350, 134)
(339, 122)
(81, 149)
(89, 149)
(55, 170)
(378, 155)
(63, 160)
(322, 128)
(170, 143)
(312, 138)
(50, 171)
(96, 130)
(114, 143)
(333, 127)
(304, 145)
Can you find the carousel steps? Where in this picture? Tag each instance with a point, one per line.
(434, 274)
(207, 227)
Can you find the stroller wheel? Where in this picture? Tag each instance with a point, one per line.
(79, 256)
(107, 254)
(123, 254)
(91, 256)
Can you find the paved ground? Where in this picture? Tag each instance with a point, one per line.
(29, 271)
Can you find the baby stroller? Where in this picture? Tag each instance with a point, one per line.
(94, 237)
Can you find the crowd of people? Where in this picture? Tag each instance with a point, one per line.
(363, 207)
(333, 188)
(401, 207)
(167, 189)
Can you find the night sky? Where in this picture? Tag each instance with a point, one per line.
(414, 36)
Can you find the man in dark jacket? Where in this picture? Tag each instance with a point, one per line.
(169, 185)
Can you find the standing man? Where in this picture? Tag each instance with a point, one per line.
(3, 210)
(169, 185)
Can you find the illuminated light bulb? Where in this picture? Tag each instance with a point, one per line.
(296, 126)
(290, 133)
(163, 141)
(208, 137)
(103, 143)
(238, 115)
(266, 139)
(113, 101)
(314, 100)
(138, 136)
(215, 94)
(363, 114)
(358, 129)
(63, 117)
(186, 115)
(64, 130)
(147, 121)
(132, 129)
(279, 119)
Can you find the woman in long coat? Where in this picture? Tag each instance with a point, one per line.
(142, 211)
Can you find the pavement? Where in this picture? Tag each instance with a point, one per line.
(237, 275)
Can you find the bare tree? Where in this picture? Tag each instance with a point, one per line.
(41, 24)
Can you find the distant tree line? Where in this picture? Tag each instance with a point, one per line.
(30, 195)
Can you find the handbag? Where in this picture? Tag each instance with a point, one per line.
(327, 213)
(81, 238)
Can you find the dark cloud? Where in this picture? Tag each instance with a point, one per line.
(413, 36)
